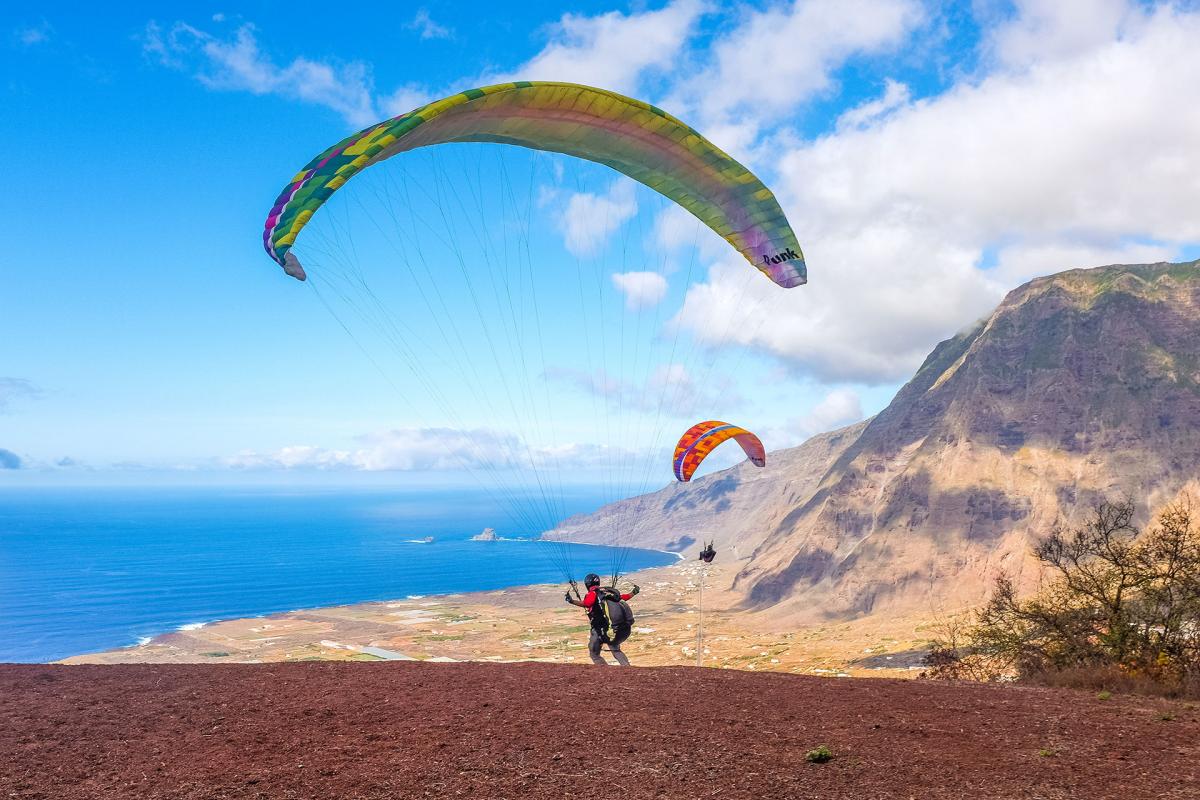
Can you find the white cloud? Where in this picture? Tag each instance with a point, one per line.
(1088, 156)
(834, 328)
(403, 100)
(668, 389)
(434, 450)
(427, 27)
(641, 289)
(291, 457)
(402, 450)
(675, 227)
(1020, 262)
(599, 383)
(685, 243)
(894, 96)
(237, 63)
(588, 219)
(580, 456)
(1043, 29)
(612, 50)
(838, 408)
(781, 56)
(1065, 146)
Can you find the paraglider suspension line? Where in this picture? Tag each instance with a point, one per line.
(700, 619)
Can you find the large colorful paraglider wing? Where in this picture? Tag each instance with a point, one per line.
(704, 437)
(632, 137)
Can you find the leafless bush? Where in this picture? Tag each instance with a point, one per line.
(953, 657)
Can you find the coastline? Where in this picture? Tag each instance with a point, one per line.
(199, 624)
(242, 553)
(532, 623)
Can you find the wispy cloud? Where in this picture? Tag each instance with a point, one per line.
(9, 459)
(236, 62)
(895, 95)
(427, 28)
(614, 50)
(838, 408)
(400, 450)
(669, 389)
(32, 35)
(432, 450)
(13, 389)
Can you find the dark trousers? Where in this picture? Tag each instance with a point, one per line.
(600, 637)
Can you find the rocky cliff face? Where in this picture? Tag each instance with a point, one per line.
(1080, 385)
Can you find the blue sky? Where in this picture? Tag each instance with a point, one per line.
(930, 156)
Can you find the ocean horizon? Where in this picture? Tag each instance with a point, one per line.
(84, 570)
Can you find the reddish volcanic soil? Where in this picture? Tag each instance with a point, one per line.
(404, 730)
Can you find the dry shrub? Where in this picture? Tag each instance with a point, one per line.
(1121, 611)
(953, 658)
(1109, 679)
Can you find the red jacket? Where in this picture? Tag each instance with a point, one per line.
(589, 599)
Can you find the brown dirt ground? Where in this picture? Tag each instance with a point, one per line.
(530, 730)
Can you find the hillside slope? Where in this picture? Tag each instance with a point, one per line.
(1080, 385)
(739, 506)
(412, 730)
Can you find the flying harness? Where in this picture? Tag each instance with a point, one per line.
(609, 611)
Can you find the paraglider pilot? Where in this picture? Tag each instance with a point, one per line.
(708, 553)
(607, 610)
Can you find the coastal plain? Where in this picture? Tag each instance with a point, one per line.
(533, 623)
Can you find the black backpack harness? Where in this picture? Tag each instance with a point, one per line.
(609, 610)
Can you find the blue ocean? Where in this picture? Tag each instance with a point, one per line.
(83, 570)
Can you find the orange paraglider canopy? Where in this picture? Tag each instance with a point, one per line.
(704, 437)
